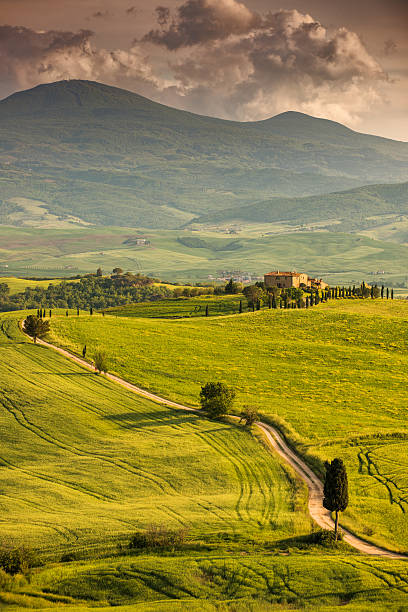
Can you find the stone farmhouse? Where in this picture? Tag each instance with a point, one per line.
(285, 280)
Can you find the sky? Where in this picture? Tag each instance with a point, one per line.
(236, 59)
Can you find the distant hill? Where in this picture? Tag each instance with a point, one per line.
(93, 153)
(356, 208)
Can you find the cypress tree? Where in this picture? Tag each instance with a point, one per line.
(372, 292)
(240, 306)
(307, 301)
(392, 294)
(50, 314)
(274, 302)
(388, 293)
(253, 306)
(280, 303)
(270, 301)
(258, 304)
(206, 311)
(84, 351)
(311, 299)
(66, 313)
(382, 291)
(317, 297)
(91, 311)
(38, 312)
(335, 489)
(354, 290)
(77, 311)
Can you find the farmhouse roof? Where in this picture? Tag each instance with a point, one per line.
(278, 273)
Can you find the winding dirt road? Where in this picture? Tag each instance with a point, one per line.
(276, 442)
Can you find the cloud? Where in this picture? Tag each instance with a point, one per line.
(200, 21)
(101, 14)
(390, 47)
(31, 57)
(216, 57)
(280, 61)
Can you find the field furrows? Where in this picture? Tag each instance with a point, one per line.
(398, 494)
(52, 406)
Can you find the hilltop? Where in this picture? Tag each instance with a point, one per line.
(89, 153)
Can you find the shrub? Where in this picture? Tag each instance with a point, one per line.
(158, 536)
(249, 415)
(16, 560)
(327, 538)
(216, 398)
(101, 362)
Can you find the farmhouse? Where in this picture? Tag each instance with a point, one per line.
(285, 280)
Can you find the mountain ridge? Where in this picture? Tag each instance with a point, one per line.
(112, 157)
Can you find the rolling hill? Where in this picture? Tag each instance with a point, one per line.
(365, 207)
(77, 152)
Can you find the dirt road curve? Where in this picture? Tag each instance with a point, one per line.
(319, 514)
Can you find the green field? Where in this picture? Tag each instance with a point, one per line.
(177, 308)
(189, 256)
(17, 285)
(333, 376)
(94, 463)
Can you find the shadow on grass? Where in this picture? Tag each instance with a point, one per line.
(156, 418)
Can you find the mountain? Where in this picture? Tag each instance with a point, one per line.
(84, 152)
(368, 206)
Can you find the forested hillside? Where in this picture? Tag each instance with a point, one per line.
(110, 157)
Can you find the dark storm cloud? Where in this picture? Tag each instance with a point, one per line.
(200, 21)
(29, 57)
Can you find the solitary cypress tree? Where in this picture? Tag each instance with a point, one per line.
(392, 294)
(335, 489)
(206, 311)
(91, 311)
(50, 314)
(240, 306)
(84, 351)
(77, 311)
(382, 291)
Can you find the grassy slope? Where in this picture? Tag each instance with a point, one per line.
(176, 308)
(17, 285)
(340, 258)
(93, 462)
(123, 460)
(336, 374)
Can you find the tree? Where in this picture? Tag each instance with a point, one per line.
(206, 311)
(252, 294)
(117, 271)
(335, 489)
(249, 415)
(392, 294)
(240, 306)
(101, 362)
(84, 351)
(99, 272)
(216, 398)
(36, 327)
(232, 287)
(382, 292)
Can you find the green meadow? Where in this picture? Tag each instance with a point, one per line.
(176, 308)
(333, 378)
(193, 256)
(85, 464)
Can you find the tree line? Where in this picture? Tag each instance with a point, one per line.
(90, 291)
